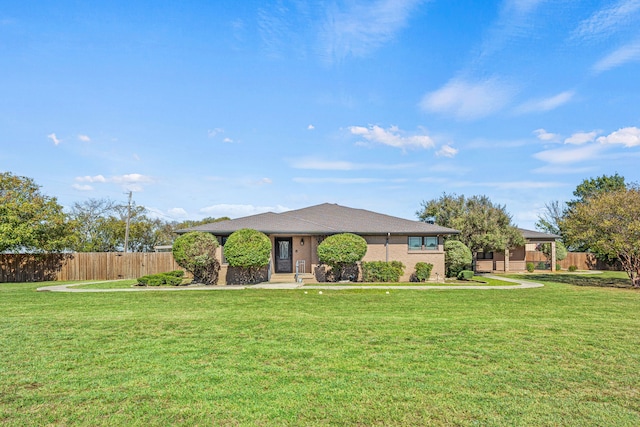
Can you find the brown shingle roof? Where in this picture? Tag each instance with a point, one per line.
(324, 219)
(531, 234)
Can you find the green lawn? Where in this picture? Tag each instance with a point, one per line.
(477, 281)
(559, 355)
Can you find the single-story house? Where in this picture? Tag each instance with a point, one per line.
(516, 259)
(295, 236)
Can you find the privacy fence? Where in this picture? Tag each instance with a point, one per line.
(582, 260)
(83, 266)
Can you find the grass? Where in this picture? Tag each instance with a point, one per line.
(559, 355)
(476, 281)
(608, 279)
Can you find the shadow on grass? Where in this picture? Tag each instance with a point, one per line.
(601, 281)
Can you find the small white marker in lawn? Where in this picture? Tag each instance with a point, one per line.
(305, 292)
(387, 292)
(320, 292)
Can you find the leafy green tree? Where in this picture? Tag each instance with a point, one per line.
(593, 186)
(99, 225)
(29, 220)
(561, 250)
(340, 251)
(457, 257)
(609, 224)
(193, 223)
(483, 225)
(248, 249)
(550, 218)
(196, 253)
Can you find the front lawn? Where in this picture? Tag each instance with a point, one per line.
(558, 355)
(607, 279)
(476, 281)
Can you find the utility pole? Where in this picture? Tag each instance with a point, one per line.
(126, 232)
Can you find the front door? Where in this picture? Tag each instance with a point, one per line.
(284, 255)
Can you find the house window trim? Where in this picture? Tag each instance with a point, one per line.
(424, 244)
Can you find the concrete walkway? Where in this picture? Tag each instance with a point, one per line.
(518, 284)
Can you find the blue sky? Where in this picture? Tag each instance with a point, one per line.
(234, 108)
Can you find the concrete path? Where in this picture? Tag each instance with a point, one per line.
(518, 284)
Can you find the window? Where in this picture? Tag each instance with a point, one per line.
(426, 243)
(223, 240)
(484, 255)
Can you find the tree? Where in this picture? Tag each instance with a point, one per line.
(99, 225)
(248, 249)
(457, 257)
(561, 250)
(340, 251)
(609, 224)
(196, 253)
(483, 225)
(193, 223)
(549, 220)
(29, 220)
(593, 186)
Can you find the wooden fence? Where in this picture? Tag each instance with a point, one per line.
(582, 260)
(83, 266)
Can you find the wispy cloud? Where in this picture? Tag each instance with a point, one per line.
(562, 170)
(543, 135)
(623, 55)
(54, 138)
(580, 138)
(177, 213)
(333, 180)
(566, 155)
(363, 26)
(82, 187)
(235, 211)
(629, 137)
(212, 133)
(609, 20)
(393, 137)
(311, 127)
(311, 163)
(130, 182)
(546, 104)
(84, 138)
(469, 100)
(447, 151)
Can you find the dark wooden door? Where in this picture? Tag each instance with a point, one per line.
(284, 255)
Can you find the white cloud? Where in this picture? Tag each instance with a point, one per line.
(447, 151)
(393, 137)
(214, 132)
(177, 213)
(54, 138)
(608, 20)
(84, 138)
(629, 137)
(621, 56)
(97, 178)
(546, 104)
(580, 138)
(331, 180)
(266, 181)
(228, 140)
(543, 135)
(568, 155)
(132, 178)
(235, 211)
(317, 164)
(468, 100)
(81, 187)
(311, 127)
(363, 26)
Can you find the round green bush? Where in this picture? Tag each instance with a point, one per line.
(340, 251)
(248, 249)
(457, 257)
(196, 253)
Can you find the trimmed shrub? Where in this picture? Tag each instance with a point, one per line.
(381, 271)
(558, 266)
(340, 251)
(572, 268)
(196, 253)
(423, 271)
(542, 265)
(457, 257)
(171, 279)
(249, 250)
(530, 267)
(465, 275)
